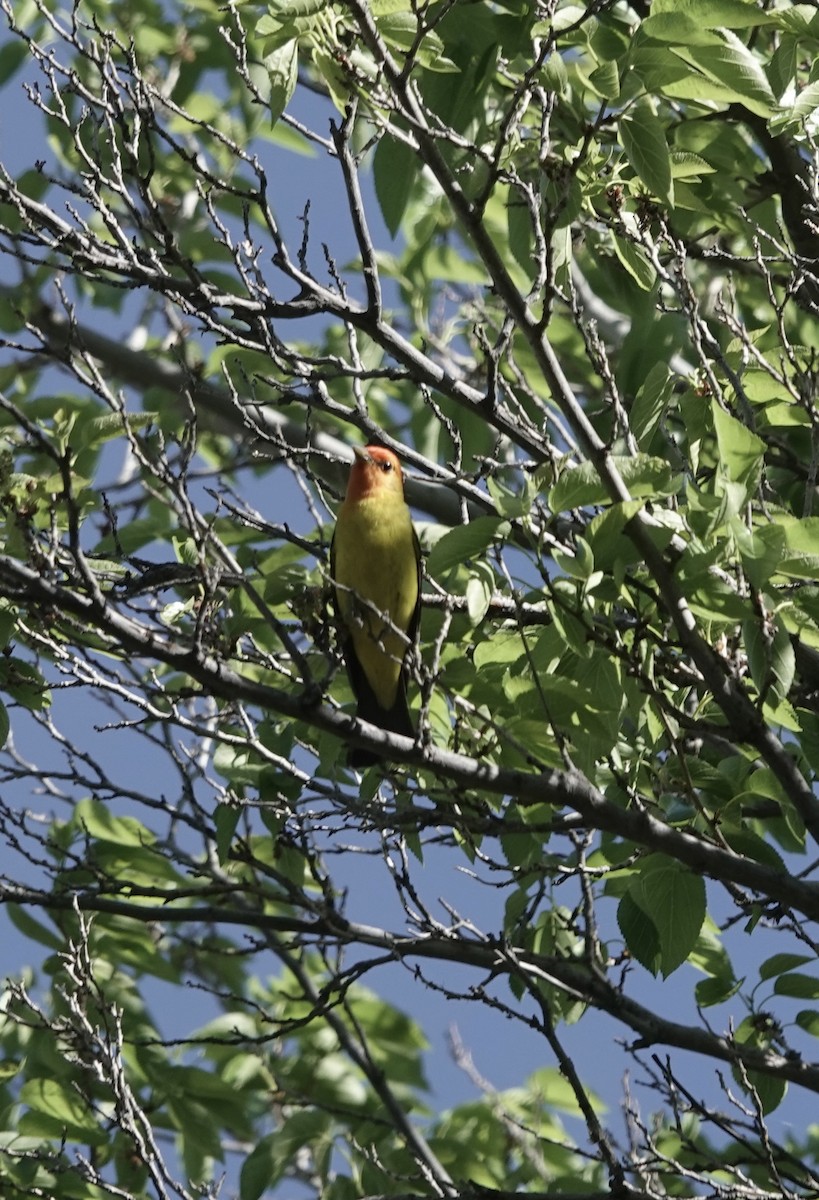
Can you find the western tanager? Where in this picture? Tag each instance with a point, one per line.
(375, 562)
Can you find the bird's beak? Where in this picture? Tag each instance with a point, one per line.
(361, 454)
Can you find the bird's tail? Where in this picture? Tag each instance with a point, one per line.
(394, 720)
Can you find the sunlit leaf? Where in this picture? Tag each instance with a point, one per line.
(646, 147)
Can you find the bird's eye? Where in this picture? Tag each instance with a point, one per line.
(386, 467)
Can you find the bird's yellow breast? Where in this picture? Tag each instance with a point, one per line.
(375, 570)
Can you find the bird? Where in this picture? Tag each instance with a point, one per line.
(375, 568)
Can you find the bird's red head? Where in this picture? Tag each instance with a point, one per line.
(375, 469)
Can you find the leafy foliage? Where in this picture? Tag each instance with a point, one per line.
(564, 260)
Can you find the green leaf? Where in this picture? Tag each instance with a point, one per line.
(605, 80)
(519, 230)
(33, 929)
(636, 262)
(651, 404)
(24, 683)
(801, 553)
(710, 955)
(479, 591)
(761, 551)
(757, 1031)
(238, 764)
(61, 1112)
(579, 565)
(808, 1019)
(99, 822)
(644, 142)
(741, 452)
(288, 10)
(504, 647)
(400, 30)
(463, 543)
(657, 66)
(282, 66)
(782, 66)
(771, 659)
(12, 57)
(226, 818)
(606, 536)
(801, 20)
(782, 663)
(645, 477)
(805, 104)
(751, 845)
(715, 991)
(676, 29)
(719, 14)
(803, 987)
(112, 425)
(640, 934)
(771, 1091)
(395, 166)
(554, 75)
(509, 501)
(734, 66)
(673, 900)
(778, 964)
(383, 8)
(700, 89)
(689, 166)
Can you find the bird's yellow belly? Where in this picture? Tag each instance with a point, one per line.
(377, 588)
